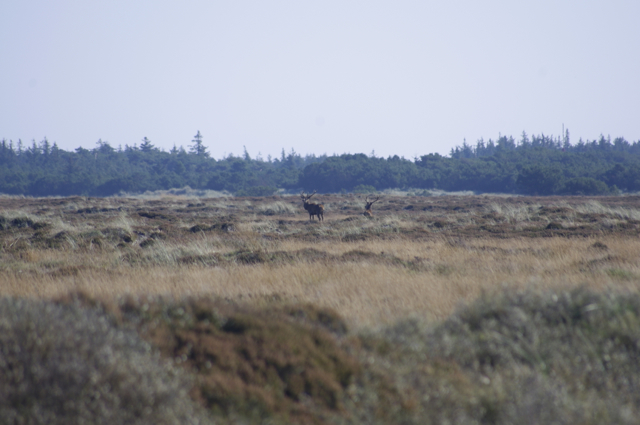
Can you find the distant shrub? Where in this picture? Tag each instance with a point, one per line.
(257, 191)
(584, 186)
(424, 192)
(364, 188)
(68, 365)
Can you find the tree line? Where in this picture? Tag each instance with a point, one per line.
(536, 165)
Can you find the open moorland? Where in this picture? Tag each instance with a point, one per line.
(437, 309)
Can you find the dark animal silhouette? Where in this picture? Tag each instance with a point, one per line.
(367, 208)
(311, 207)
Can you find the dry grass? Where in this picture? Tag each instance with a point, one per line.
(389, 319)
(368, 284)
(417, 256)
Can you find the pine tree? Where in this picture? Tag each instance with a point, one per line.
(146, 145)
(198, 148)
(45, 147)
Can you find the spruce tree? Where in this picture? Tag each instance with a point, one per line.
(146, 145)
(198, 148)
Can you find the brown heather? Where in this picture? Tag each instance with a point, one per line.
(458, 309)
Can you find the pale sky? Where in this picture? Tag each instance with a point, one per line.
(394, 77)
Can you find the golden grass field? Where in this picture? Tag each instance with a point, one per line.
(441, 309)
(416, 256)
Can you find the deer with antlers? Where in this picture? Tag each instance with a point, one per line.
(312, 207)
(367, 208)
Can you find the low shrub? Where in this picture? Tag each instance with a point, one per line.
(524, 357)
(62, 364)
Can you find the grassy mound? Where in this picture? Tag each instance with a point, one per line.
(283, 364)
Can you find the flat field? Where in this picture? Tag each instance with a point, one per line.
(417, 255)
(440, 309)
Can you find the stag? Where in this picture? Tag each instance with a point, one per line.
(367, 208)
(312, 207)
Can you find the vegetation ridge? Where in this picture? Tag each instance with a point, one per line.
(539, 165)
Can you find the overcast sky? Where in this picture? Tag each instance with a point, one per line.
(394, 77)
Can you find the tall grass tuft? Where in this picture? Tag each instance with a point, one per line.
(278, 208)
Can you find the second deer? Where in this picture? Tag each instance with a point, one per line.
(367, 208)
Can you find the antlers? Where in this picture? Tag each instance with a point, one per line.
(369, 203)
(306, 198)
(367, 208)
